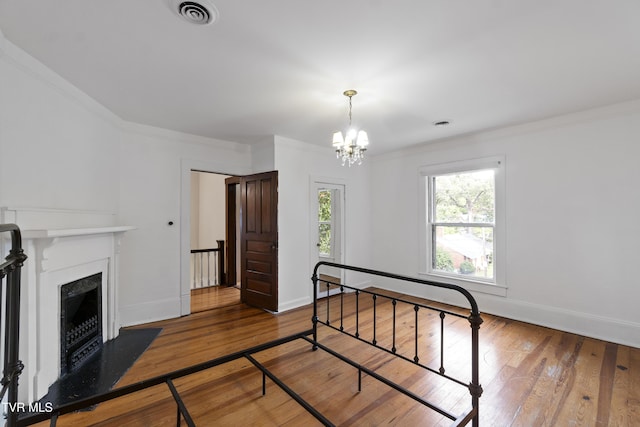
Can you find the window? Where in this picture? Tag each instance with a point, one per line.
(325, 222)
(463, 221)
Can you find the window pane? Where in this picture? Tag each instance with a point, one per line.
(465, 197)
(324, 234)
(324, 205)
(463, 250)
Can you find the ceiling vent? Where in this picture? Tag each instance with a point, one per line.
(199, 12)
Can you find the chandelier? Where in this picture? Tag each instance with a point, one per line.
(350, 148)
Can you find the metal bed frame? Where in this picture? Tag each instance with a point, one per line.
(182, 413)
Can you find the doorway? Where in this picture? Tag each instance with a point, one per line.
(209, 287)
(328, 237)
(256, 245)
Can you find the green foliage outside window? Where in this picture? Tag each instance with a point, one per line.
(324, 222)
(443, 261)
(466, 197)
(467, 267)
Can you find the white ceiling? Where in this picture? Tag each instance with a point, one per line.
(280, 66)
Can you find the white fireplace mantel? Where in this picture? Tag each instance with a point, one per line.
(68, 232)
(40, 241)
(57, 256)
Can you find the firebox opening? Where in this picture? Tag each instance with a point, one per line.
(80, 322)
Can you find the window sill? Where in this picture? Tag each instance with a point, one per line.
(470, 285)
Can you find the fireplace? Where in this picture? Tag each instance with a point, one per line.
(65, 246)
(80, 321)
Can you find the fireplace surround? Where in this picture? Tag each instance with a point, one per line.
(63, 247)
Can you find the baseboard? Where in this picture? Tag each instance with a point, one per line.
(589, 325)
(361, 285)
(296, 303)
(149, 311)
(290, 305)
(585, 324)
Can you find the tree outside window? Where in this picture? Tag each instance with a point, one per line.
(462, 222)
(324, 222)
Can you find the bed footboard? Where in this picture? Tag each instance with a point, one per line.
(399, 312)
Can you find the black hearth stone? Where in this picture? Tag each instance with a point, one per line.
(104, 369)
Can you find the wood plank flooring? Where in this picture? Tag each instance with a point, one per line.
(213, 297)
(531, 376)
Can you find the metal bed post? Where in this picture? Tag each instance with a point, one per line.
(12, 365)
(475, 388)
(314, 318)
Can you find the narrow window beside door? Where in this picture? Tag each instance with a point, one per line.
(325, 223)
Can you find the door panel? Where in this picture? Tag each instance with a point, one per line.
(259, 240)
(259, 267)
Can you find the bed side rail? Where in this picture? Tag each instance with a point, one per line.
(167, 379)
(10, 280)
(374, 299)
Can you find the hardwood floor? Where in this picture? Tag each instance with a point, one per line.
(214, 297)
(531, 376)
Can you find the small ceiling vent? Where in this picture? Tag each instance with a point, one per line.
(199, 12)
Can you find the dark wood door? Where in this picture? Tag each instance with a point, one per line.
(259, 240)
(232, 229)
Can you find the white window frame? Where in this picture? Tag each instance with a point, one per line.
(496, 286)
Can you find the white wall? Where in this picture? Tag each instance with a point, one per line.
(60, 149)
(571, 204)
(208, 192)
(155, 166)
(263, 155)
(298, 163)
